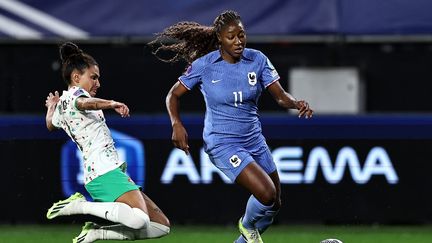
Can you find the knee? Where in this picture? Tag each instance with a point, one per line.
(161, 218)
(167, 222)
(159, 229)
(269, 196)
(154, 230)
(163, 221)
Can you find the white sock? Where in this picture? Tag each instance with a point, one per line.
(113, 233)
(121, 232)
(154, 230)
(117, 212)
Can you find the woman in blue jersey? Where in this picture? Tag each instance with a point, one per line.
(116, 197)
(231, 78)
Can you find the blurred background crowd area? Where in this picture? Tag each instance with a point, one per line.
(373, 55)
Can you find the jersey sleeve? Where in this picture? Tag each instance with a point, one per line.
(193, 74)
(55, 120)
(269, 74)
(79, 92)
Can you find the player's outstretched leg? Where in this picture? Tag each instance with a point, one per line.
(117, 212)
(155, 230)
(249, 235)
(92, 232)
(68, 206)
(83, 237)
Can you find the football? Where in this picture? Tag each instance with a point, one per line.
(331, 241)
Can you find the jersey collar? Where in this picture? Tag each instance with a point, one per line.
(217, 57)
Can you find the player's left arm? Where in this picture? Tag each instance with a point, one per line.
(286, 100)
(91, 103)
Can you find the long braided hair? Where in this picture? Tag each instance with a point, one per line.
(191, 40)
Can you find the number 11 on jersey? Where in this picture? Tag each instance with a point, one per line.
(238, 98)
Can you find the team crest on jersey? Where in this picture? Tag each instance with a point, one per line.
(252, 78)
(235, 160)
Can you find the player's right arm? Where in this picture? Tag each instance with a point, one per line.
(87, 103)
(179, 135)
(51, 104)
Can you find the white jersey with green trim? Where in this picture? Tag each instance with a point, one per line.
(88, 129)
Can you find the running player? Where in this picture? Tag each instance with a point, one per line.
(231, 78)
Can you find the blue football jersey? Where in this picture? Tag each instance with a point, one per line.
(231, 92)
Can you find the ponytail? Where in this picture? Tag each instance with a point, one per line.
(73, 58)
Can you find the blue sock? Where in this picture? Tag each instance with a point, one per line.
(240, 240)
(265, 221)
(254, 212)
(257, 216)
(261, 224)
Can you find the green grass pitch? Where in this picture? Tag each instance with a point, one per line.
(218, 234)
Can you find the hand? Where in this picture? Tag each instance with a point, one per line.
(180, 138)
(304, 109)
(121, 108)
(52, 100)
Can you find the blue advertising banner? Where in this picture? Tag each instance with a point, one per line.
(336, 169)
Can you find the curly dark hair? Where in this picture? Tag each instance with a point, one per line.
(73, 58)
(191, 40)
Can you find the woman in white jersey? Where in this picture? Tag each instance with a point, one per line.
(231, 78)
(116, 197)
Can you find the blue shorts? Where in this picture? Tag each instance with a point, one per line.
(233, 158)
